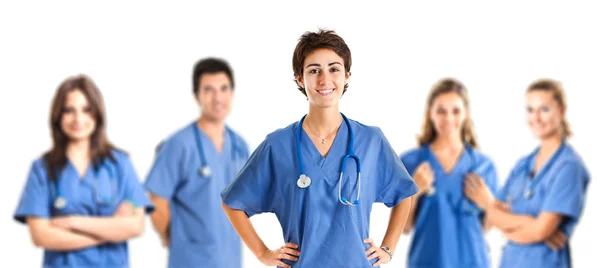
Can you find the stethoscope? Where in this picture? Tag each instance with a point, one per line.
(304, 181)
(535, 178)
(468, 205)
(205, 170)
(61, 201)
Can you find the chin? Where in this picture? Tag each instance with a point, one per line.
(79, 136)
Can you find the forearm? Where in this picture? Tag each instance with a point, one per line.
(505, 220)
(412, 214)
(535, 231)
(54, 238)
(112, 229)
(242, 225)
(398, 219)
(161, 220)
(161, 217)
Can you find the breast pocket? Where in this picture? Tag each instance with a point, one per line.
(105, 195)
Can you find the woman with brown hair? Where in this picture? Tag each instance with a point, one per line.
(543, 197)
(82, 200)
(321, 175)
(448, 228)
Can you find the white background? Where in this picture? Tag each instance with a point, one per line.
(141, 56)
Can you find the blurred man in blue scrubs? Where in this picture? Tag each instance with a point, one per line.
(191, 168)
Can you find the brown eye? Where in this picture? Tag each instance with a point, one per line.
(440, 111)
(68, 110)
(456, 111)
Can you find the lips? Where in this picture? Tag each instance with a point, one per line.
(325, 92)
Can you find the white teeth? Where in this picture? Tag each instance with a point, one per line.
(325, 91)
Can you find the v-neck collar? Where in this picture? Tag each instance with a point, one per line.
(435, 161)
(330, 165)
(533, 158)
(208, 146)
(80, 177)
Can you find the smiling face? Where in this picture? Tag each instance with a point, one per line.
(544, 114)
(77, 120)
(215, 95)
(448, 114)
(324, 78)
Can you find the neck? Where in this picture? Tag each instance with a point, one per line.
(214, 129)
(450, 142)
(550, 144)
(324, 120)
(78, 149)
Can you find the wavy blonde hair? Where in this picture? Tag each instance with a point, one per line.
(447, 85)
(558, 94)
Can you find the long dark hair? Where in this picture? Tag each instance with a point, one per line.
(56, 158)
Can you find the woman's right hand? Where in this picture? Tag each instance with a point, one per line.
(424, 177)
(274, 257)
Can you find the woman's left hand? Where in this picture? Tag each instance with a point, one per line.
(476, 190)
(376, 252)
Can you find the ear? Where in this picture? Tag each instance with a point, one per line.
(348, 74)
(197, 97)
(300, 81)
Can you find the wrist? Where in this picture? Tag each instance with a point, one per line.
(388, 251)
(490, 204)
(260, 254)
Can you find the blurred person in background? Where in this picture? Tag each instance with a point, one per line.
(82, 200)
(543, 198)
(191, 169)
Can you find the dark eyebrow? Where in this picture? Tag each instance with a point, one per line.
(313, 64)
(319, 65)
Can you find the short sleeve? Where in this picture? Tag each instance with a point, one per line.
(134, 192)
(166, 170)
(393, 181)
(490, 176)
(410, 160)
(35, 198)
(566, 194)
(253, 190)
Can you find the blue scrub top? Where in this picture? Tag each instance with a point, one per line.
(200, 233)
(448, 231)
(40, 192)
(561, 189)
(329, 234)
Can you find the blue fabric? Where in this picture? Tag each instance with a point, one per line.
(329, 234)
(448, 233)
(200, 233)
(39, 194)
(561, 189)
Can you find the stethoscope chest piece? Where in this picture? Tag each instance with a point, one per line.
(205, 171)
(60, 203)
(303, 182)
(528, 194)
(430, 191)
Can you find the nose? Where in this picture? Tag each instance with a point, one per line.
(537, 116)
(78, 116)
(324, 79)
